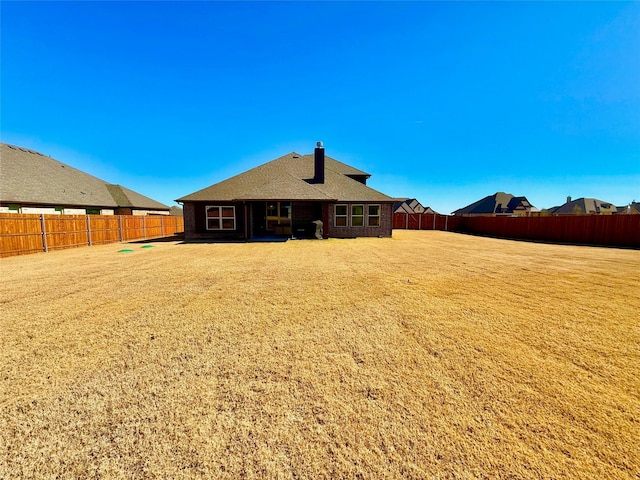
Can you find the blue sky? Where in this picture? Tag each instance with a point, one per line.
(446, 102)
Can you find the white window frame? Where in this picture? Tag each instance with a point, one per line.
(219, 217)
(369, 216)
(345, 216)
(352, 216)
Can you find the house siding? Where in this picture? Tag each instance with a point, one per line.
(384, 230)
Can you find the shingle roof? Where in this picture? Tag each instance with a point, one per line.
(499, 202)
(410, 205)
(176, 211)
(584, 205)
(631, 208)
(290, 178)
(29, 177)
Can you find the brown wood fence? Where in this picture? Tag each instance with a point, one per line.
(604, 230)
(29, 233)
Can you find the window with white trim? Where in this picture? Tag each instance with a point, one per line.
(357, 215)
(221, 218)
(341, 216)
(373, 215)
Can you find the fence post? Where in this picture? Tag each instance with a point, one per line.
(162, 225)
(44, 233)
(406, 221)
(89, 230)
(420, 222)
(144, 228)
(434, 221)
(446, 220)
(120, 228)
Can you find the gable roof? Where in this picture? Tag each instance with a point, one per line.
(290, 177)
(410, 205)
(499, 202)
(633, 207)
(29, 177)
(585, 205)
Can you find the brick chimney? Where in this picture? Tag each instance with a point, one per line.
(318, 163)
(568, 199)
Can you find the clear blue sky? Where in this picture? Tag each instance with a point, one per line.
(443, 101)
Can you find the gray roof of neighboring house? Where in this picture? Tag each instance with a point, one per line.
(176, 211)
(584, 205)
(290, 178)
(410, 205)
(29, 177)
(630, 208)
(402, 207)
(499, 202)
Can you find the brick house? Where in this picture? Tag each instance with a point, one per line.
(300, 196)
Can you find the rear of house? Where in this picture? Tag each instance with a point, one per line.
(300, 196)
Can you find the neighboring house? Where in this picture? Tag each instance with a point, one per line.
(292, 196)
(410, 205)
(632, 208)
(581, 206)
(31, 182)
(498, 204)
(175, 211)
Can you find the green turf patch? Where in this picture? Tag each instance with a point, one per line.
(125, 250)
(147, 246)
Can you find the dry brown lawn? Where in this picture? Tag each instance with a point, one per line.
(429, 355)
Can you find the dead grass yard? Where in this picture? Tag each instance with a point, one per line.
(429, 355)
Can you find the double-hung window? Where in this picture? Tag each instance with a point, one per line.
(221, 218)
(341, 216)
(373, 217)
(357, 215)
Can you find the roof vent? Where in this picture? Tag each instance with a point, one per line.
(319, 145)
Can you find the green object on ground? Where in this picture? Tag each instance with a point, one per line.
(147, 246)
(125, 250)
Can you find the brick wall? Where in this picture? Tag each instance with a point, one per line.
(384, 230)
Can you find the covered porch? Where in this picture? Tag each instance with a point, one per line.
(283, 219)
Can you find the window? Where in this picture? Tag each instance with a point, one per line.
(354, 215)
(357, 215)
(373, 218)
(221, 218)
(341, 216)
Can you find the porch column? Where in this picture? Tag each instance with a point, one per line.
(246, 220)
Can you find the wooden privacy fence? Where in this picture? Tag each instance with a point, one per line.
(29, 233)
(425, 221)
(605, 230)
